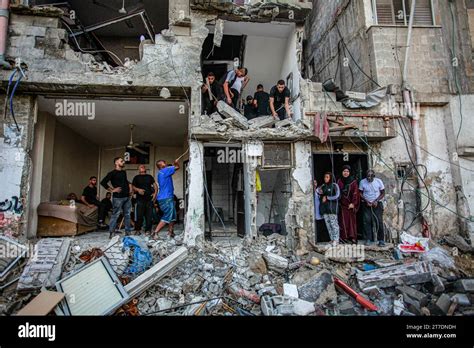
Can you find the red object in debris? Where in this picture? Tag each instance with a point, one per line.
(359, 298)
(414, 248)
(252, 296)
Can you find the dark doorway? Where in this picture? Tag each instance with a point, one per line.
(323, 163)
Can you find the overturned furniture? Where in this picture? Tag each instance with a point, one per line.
(58, 220)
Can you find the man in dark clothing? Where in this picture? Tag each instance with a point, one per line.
(280, 101)
(107, 203)
(121, 190)
(235, 82)
(262, 101)
(249, 108)
(89, 198)
(209, 100)
(145, 186)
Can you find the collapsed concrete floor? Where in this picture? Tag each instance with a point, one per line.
(233, 276)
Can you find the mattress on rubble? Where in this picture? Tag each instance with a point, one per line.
(55, 219)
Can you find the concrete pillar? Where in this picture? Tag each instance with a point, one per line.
(300, 216)
(15, 164)
(194, 220)
(253, 150)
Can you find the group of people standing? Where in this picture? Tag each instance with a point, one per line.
(276, 103)
(146, 191)
(337, 204)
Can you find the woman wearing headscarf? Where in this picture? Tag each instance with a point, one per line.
(350, 202)
(329, 195)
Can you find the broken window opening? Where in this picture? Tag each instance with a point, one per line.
(277, 155)
(112, 34)
(267, 50)
(397, 12)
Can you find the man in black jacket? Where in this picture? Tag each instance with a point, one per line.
(121, 190)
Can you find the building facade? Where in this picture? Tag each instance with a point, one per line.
(343, 61)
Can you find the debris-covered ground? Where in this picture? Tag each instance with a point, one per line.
(233, 276)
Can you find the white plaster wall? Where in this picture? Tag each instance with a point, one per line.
(74, 161)
(264, 58)
(466, 139)
(12, 159)
(290, 65)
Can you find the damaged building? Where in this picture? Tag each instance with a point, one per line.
(372, 85)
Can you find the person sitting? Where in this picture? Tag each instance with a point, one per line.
(73, 197)
(89, 197)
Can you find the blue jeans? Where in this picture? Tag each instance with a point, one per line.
(118, 205)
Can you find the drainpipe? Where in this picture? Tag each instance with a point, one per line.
(4, 17)
(414, 117)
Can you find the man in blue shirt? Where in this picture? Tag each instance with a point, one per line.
(165, 196)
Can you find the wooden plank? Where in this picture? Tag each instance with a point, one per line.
(42, 304)
(145, 280)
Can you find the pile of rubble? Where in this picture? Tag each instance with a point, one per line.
(230, 120)
(258, 277)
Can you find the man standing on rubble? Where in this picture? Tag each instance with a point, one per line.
(235, 82)
(121, 190)
(145, 186)
(280, 101)
(165, 196)
(211, 94)
(373, 191)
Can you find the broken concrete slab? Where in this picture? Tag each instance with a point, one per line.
(302, 307)
(44, 268)
(465, 285)
(318, 290)
(229, 112)
(414, 294)
(12, 253)
(257, 264)
(459, 242)
(290, 290)
(284, 123)
(146, 279)
(461, 299)
(442, 305)
(266, 304)
(415, 273)
(216, 117)
(275, 262)
(262, 122)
